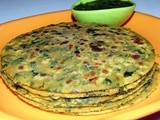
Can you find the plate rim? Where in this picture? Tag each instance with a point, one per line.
(3, 114)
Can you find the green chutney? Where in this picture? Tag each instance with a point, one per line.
(102, 4)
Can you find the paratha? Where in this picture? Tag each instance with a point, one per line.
(79, 68)
(143, 93)
(77, 57)
(83, 101)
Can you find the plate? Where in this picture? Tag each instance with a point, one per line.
(11, 108)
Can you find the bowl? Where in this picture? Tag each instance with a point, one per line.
(109, 16)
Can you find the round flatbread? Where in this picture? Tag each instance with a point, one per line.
(79, 68)
(77, 102)
(77, 57)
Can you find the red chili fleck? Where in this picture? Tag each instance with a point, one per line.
(69, 81)
(82, 49)
(114, 47)
(43, 74)
(37, 49)
(92, 73)
(85, 62)
(105, 71)
(110, 55)
(64, 42)
(137, 40)
(70, 47)
(93, 80)
(140, 63)
(135, 57)
(20, 67)
(89, 75)
(95, 47)
(57, 68)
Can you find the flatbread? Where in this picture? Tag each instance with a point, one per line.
(80, 68)
(75, 102)
(77, 57)
(143, 93)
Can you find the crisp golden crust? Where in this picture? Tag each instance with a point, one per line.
(77, 102)
(142, 94)
(109, 106)
(77, 57)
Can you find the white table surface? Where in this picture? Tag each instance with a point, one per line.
(15, 9)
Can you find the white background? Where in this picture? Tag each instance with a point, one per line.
(15, 9)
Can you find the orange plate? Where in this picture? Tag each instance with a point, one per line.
(11, 108)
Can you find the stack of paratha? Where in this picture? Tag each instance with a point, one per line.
(80, 68)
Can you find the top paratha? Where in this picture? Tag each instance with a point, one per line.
(77, 57)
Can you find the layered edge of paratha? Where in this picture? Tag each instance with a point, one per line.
(66, 104)
(54, 95)
(103, 108)
(72, 102)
